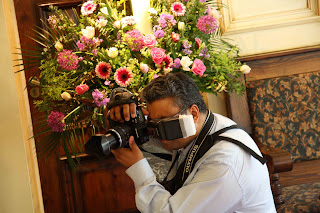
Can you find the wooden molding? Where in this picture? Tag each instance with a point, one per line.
(234, 25)
(20, 84)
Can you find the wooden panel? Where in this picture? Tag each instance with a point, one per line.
(284, 66)
(98, 186)
(238, 110)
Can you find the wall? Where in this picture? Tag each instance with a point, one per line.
(19, 178)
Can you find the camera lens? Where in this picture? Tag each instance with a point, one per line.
(101, 145)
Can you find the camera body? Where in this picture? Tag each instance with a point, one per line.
(118, 134)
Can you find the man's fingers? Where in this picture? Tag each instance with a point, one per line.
(132, 143)
(111, 113)
(117, 113)
(133, 110)
(126, 112)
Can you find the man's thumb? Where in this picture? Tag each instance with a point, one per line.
(132, 143)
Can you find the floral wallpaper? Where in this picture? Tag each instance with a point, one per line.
(285, 113)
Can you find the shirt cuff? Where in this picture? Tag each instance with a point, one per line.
(140, 172)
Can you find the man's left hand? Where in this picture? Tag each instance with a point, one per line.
(128, 156)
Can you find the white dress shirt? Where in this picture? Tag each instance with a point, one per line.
(225, 179)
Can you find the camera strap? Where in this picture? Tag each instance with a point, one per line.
(203, 143)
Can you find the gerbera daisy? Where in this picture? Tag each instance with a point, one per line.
(88, 8)
(123, 76)
(103, 70)
(178, 9)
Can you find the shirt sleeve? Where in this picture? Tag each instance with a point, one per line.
(214, 188)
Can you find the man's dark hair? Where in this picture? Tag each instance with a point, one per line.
(178, 86)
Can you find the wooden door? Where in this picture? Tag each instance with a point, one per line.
(95, 186)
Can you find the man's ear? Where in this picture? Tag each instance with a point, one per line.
(194, 110)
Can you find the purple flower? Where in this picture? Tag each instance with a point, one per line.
(167, 20)
(99, 98)
(207, 24)
(81, 46)
(186, 44)
(204, 53)
(55, 121)
(187, 51)
(68, 60)
(202, 1)
(176, 63)
(159, 33)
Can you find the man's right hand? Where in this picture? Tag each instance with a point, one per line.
(128, 110)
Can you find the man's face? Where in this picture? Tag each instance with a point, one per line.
(166, 108)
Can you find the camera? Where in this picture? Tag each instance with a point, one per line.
(118, 134)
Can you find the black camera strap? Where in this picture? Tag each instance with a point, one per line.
(202, 144)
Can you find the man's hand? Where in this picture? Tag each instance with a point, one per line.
(127, 110)
(128, 156)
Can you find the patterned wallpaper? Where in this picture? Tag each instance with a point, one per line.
(285, 113)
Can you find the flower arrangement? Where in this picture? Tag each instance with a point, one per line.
(82, 60)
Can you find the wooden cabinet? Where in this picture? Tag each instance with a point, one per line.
(98, 186)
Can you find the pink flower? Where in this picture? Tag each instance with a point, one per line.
(198, 67)
(134, 39)
(175, 37)
(178, 9)
(149, 40)
(207, 24)
(55, 121)
(82, 88)
(128, 20)
(88, 8)
(157, 55)
(103, 70)
(68, 60)
(123, 76)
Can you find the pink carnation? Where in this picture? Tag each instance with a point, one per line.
(88, 8)
(149, 40)
(82, 88)
(198, 67)
(157, 55)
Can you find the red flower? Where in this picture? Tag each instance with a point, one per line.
(82, 88)
(123, 76)
(168, 61)
(103, 70)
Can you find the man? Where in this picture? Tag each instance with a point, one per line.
(211, 174)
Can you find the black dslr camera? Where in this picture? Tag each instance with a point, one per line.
(118, 134)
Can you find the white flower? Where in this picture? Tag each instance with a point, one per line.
(104, 10)
(152, 11)
(102, 22)
(112, 52)
(117, 24)
(214, 13)
(245, 69)
(185, 63)
(88, 32)
(66, 96)
(181, 26)
(144, 68)
(59, 46)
